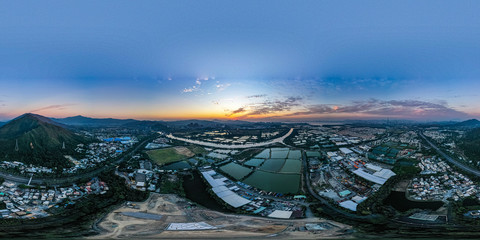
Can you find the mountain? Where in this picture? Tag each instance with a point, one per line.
(2, 123)
(93, 122)
(39, 139)
(469, 123)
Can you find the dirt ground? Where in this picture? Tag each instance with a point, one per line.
(401, 186)
(178, 210)
(184, 151)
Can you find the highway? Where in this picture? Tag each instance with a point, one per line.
(231, 146)
(68, 180)
(451, 160)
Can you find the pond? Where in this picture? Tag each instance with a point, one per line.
(274, 182)
(177, 166)
(254, 162)
(197, 190)
(235, 170)
(273, 164)
(291, 166)
(398, 201)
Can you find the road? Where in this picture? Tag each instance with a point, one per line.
(451, 160)
(68, 180)
(227, 146)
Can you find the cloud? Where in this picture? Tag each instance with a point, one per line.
(257, 96)
(196, 87)
(192, 89)
(221, 87)
(239, 110)
(267, 107)
(391, 108)
(50, 107)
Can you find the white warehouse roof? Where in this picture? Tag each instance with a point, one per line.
(369, 177)
(349, 205)
(280, 214)
(346, 150)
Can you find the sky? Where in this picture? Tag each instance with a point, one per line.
(250, 60)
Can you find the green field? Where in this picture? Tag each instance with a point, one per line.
(166, 155)
(197, 149)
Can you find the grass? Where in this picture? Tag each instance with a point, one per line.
(197, 149)
(164, 156)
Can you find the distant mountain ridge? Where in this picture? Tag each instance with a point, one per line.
(468, 123)
(82, 121)
(87, 121)
(38, 140)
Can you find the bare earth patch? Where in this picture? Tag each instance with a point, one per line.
(177, 210)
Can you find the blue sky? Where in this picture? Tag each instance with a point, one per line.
(270, 60)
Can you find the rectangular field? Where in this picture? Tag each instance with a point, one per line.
(279, 154)
(168, 155)
(264, 154)
(291, 166)
(235, 170)
(272, 165)
(254, 162)
(274, 182)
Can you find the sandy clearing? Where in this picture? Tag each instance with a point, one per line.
(176, 209)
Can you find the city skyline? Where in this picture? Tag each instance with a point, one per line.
(259, 61)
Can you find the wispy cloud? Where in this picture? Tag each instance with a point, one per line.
(257, 96)
(196, 87)
(266, 107)
(220, 87)
(50, 107)
(237, 111)
(192, 89)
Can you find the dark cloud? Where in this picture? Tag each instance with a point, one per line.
(268, 107)
(397, 108)
(257, 96)
(239, 110)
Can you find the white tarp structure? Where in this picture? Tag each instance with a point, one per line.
(280, 214)
(189, 226)
(349, 205)
(384, 173)
(212, 181)
(230, 197)
(373, 167)
(346, 151)
(219, 188)
(378, 177)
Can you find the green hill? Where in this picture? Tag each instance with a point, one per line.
(470, 144)
(40, 141)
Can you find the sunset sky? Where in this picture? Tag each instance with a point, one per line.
(253, 60)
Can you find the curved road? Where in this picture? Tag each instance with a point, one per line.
(225, 146)
(59, 181)
(451, 160)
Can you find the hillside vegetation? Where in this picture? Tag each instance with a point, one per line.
(40, 141)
